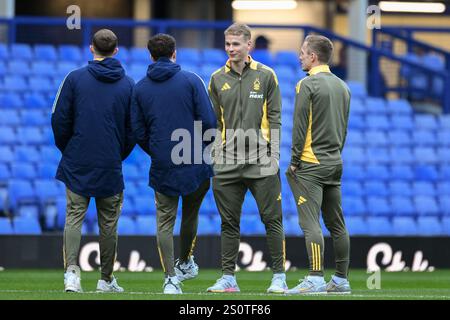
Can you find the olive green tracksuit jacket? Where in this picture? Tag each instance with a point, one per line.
(320, 126)
(242, 102)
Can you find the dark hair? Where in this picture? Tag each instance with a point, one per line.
(161, 45)
(104, 42)
(321, 46)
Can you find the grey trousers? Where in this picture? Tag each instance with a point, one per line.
(108, 211)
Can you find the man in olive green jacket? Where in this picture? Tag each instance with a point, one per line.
(318, 136)
(246, 98)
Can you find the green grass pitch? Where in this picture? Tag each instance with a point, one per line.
(48, 285)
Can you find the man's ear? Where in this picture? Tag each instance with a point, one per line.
(174, 55)
(91, 49)
(115, 51)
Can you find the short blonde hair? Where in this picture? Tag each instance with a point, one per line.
(237, 29)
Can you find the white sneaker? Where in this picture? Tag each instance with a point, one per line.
(225, 284)
(172, 285)
(278, 284)
(112, 286)
(72, 280)
(187, 270)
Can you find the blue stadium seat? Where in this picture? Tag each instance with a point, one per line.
(357, 89)
(204, 226)
(352, 188)
(355, 138)
(20, 170)
(424, 137)
(189, 55)
(444, 205)
(50, 154)
(128, 208)
(140, 55)
(48, 190)
(30, 135)
(286, 74)
(206, 70)
(9, 117)
(378, 206)
(131, 172)
(376, 106)
(20, 191)
(21, 51)
(444, 172)
(5, 175)
(354, 173)
(377, 172)
(378, 122)
(445, 224)
(425, 173)
(26, 226)
(444, 138)
(41, 84)
(35, 117)
(46, 170)
(376, 138)
(3, 69)
(11, 100)
(402, 172)
(399, 188)
(45, 52)
(15, 83)
(402, 122)
(377, 226)
(291, 226)
(64, 67)
(423, 188)
(251, 224)
(18, 68)
(70, 53)
(356, 226)
(356, 122)
(354, 155)
(26, 154)
(4, 52)
(429, 226)
(404, 226)
(263, 56)
(425, 121)
(144, 205)
(214, 56)
(146, 225)
(443, 188)
(399, 106)
(249, 206)
(41, 68)
(288, 58)
(354, 206)
(443, 154)
(5, 226)
(399, 138)
(37, 101)
(6, 154)
(401, 155)
(402, 206)
(126, 226)
(8, 136)
(357, 107)
(426, 205)
(444, 122)
(375, 188)
(377, 155)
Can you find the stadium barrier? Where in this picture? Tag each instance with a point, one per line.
(139, 253)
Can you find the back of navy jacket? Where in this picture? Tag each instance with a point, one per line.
(91, 126)
(169, 101)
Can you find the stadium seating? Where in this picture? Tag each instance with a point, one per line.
(396, 161)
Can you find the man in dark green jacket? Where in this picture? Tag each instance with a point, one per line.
(318, 136)
(246, 98)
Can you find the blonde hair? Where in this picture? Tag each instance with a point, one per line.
(237, 29)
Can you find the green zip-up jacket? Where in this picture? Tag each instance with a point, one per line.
(248, 101)
(322, 105)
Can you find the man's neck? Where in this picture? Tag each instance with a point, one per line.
(238, 66)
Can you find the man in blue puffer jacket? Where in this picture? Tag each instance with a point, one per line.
(92, 129)
(169, 104)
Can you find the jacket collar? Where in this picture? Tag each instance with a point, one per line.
(318, 69)
(249, 63)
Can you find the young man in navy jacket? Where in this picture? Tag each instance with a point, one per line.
(91, 126)
(170, 103)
